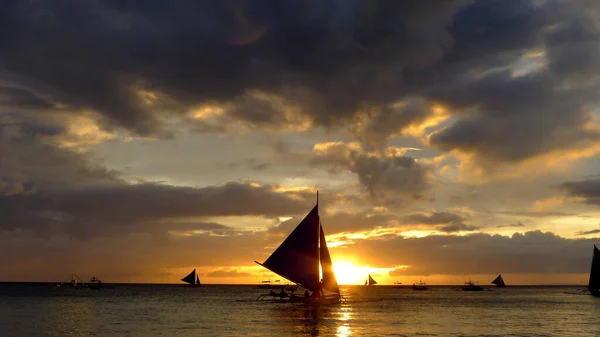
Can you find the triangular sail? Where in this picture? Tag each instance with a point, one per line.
(329, 280)
(190, 278)
(371, 281)
(297, 258)
(594, 283)
(499, 281)
(197, 280)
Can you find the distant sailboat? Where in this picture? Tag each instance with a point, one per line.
(594, 283)
(298, 259)
(75, 281)
(370, 281)
(192, 279)
(499, 281)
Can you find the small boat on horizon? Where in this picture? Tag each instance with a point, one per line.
(192, 279)
(75, 281)
(299, 258)
(95, 283)
(267, 284)
(499, 281)
(419, 286)
(594, 282)
(470, 286)
(370, 281)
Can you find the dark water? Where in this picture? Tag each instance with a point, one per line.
(219, 310)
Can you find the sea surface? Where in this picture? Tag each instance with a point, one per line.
(28, 309)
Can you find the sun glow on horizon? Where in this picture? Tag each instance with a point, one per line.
(347, 273)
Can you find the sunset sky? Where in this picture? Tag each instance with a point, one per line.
(449, 140)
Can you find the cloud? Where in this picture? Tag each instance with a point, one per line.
(480, 253)
(380, 173)
(511, 79)
(134, 257)
(379, 219)
(518, 224)
(128, 61)
(378, 124)
(49, 190)
(227, 273)
(536, 214)
(252, 163)
(457, 227)
(98, 210)
(593, 231)
(436, 218)
(588, 190)
(443, 221)
(502, 115)
(343, 222)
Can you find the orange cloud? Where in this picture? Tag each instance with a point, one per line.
(547, 204)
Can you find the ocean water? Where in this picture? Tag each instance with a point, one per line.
(229, 310)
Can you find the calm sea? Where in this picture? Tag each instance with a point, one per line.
(226, 310)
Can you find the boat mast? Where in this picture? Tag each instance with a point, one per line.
(318, 240)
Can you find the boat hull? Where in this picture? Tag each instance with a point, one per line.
(95, 286)
(331, 299)
(472, 289)
(594, 292)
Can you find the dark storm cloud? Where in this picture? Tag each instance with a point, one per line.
(481, 253)
(589, 190)
(330, 57)
(99, 210)
(11, 97)
(511, 118)
(330, 60)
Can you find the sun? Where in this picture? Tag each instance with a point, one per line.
(347, 273)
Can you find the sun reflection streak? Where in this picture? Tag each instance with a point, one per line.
(343, 331)
(345, 314)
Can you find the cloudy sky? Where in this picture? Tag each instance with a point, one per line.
(449, 139)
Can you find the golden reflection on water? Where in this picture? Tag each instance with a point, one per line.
(343, 331)
(345, 315)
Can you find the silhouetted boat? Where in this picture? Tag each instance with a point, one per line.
(298, 259)
(192, 279)
(267, 284)
(594, 283)
(75, 281)
(499, 281)
(95, 283)
(470, 286)
(419, 286)
(370, 281)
